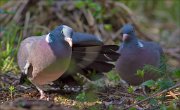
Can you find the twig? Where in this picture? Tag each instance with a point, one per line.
(66, 20)
(20, 10)
(117, 34)
(105, 34)
(91, 22)
(116, 95)
(89, 17)
(156, 94)
(77, 19)
(7, 17)
(26, 24)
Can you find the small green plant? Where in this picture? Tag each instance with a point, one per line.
(95, 107)
(111, 107)
(163, 107)
(176, 73)
(50, 2)
(139, 98)
(96, 8)
(160, 71)
(88, 96)
(153, 102)
(108, 27)
(173, 105)
(140, 73)
(132, 108)
(130, 89)
(11, 90)
(164, 83)
(81, 97)
(112, 76)
(149, 83)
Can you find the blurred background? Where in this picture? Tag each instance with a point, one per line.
(154, 20)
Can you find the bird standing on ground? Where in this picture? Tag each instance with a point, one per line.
(44, 59)
(135, 54)
(89, 54)
(91, 59)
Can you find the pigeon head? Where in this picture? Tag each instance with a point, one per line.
(128, 33)
(61, 32)
(67, 32)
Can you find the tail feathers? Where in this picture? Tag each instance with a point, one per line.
(96, 53)
(91, 56)
(93, 59)
(109, 56)
(109, 48)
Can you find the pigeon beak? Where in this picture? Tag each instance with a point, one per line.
(68, 40)
(125, 37)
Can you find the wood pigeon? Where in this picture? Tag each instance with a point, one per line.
(45, 58)
(89, 54)
(135, 55)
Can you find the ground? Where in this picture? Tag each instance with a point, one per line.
(26, 97)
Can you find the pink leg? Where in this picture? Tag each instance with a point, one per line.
(42, 94)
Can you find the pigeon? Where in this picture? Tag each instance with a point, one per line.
(89, 55)
(61, 54)
(136, 55)
(45, 58)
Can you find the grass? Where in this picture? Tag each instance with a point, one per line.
(10, 40)
(11, 91)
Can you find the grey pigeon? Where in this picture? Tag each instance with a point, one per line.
(135, 55)
(90, 55)
(44, 59)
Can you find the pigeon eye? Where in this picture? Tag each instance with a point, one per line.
(62, 32)
(130, 32)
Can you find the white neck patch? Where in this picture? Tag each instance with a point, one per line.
(140, 44)
(66, 30)
(48, 40)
